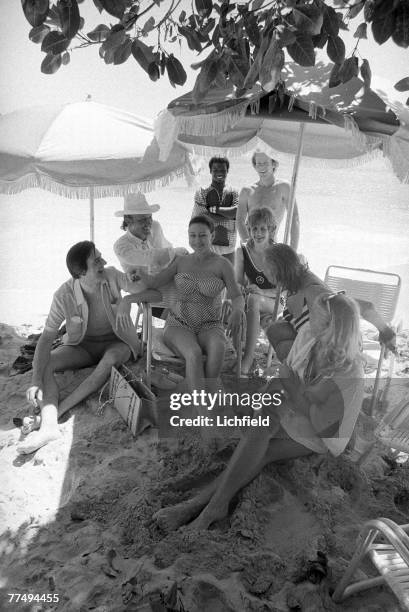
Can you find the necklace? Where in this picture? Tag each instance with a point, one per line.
(219, 197)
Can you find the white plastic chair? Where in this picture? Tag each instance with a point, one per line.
(381, 289)
(387, 545)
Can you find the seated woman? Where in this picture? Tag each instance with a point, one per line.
(323, 392)
(250, 263)
(302, 287)
(194, 327)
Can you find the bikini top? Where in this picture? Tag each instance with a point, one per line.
(255, 276)
(195, 287)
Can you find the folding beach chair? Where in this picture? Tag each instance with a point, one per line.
(382, 290)
(387, 545)
(157, 349)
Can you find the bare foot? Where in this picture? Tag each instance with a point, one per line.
(37, 439)
(173, 517)
(207, 517)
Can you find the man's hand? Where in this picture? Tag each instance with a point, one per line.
(388, 337)
(34, 395)
(123, 315)
(133, 276)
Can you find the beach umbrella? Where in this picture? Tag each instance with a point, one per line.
(84, 150)
(342, 125)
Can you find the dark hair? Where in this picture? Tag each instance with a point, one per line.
(253, 159)
(289, 270)
(127, 221)
(219, 160)
(77, 256)
(204, 221)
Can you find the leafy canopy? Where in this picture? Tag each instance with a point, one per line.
(248, 41)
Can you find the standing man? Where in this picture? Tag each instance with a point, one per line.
(267, 192)
(98, 333)
(143, 245)
(219, 203)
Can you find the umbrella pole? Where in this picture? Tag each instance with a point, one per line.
(91, 214)
(290, 211)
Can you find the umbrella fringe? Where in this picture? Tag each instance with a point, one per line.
(35, 181)
(214, 123)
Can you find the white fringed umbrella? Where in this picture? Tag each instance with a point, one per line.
(84, 150)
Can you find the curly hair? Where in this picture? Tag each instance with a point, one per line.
(219, 160)
(289, 270)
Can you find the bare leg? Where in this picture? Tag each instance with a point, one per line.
(184, 343)
(277, 449)
(213, 344)
(251, 455)
(116, 354)
(62, 358)
(281, 335)
(253, 328)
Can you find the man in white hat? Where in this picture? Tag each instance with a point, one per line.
(143, 245)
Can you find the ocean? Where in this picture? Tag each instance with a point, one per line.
(356, 216)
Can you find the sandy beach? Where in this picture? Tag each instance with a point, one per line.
(77, 514)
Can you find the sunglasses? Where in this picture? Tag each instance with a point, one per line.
(327, 298)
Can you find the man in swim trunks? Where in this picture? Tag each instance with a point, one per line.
(95, 336)
(267, 192)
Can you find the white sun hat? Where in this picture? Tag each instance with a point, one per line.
(136, 204)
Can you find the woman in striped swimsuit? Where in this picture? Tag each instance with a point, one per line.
(194, 327)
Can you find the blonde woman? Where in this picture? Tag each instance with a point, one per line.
(260, 290)
(323, 391)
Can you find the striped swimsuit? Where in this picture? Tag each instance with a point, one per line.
(199, 302)
(297, 322)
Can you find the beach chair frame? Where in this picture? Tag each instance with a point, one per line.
(382, 290)
(387, 546)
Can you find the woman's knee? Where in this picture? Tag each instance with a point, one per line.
(116, 356)
(253, 302)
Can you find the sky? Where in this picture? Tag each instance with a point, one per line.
(126, 86)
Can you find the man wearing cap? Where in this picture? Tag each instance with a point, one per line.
(143, 245)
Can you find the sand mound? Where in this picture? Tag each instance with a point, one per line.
(78, 517)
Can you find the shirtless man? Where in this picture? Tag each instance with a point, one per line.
(267, 192)
(98, 333)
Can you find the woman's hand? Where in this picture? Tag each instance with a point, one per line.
(123, 315)
(133, 276)
(235, 325)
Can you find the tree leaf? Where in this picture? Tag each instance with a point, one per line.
(99, 33)
(285, 36)
(191, 37)
(348, 69)
(257, 4)
(70, 17)
(382, 9)
(330, 23)
(143, 54)
(383, 29)
(148, 26)
(37, 34)
(334, 79)
(321, 40)
(153, 71)
(237, 67)
(271, 67)
(369, 10)
(402, 85)
(98, 5)
(175, 70)
(114, 39)
(35, 11)
(204, 80)
(360, 32)
(51, 63)
(302, 51)
(116, 8)
(308, 19)
(65, 58)
(54, 43)
(204, 7)
(251, 27)
(355, 9)
(366, 72)
(336, 50)
(123, 52)
(401, 34)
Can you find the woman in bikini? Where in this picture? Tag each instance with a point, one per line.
(250, 263)
(194, 327)
(322, 395)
